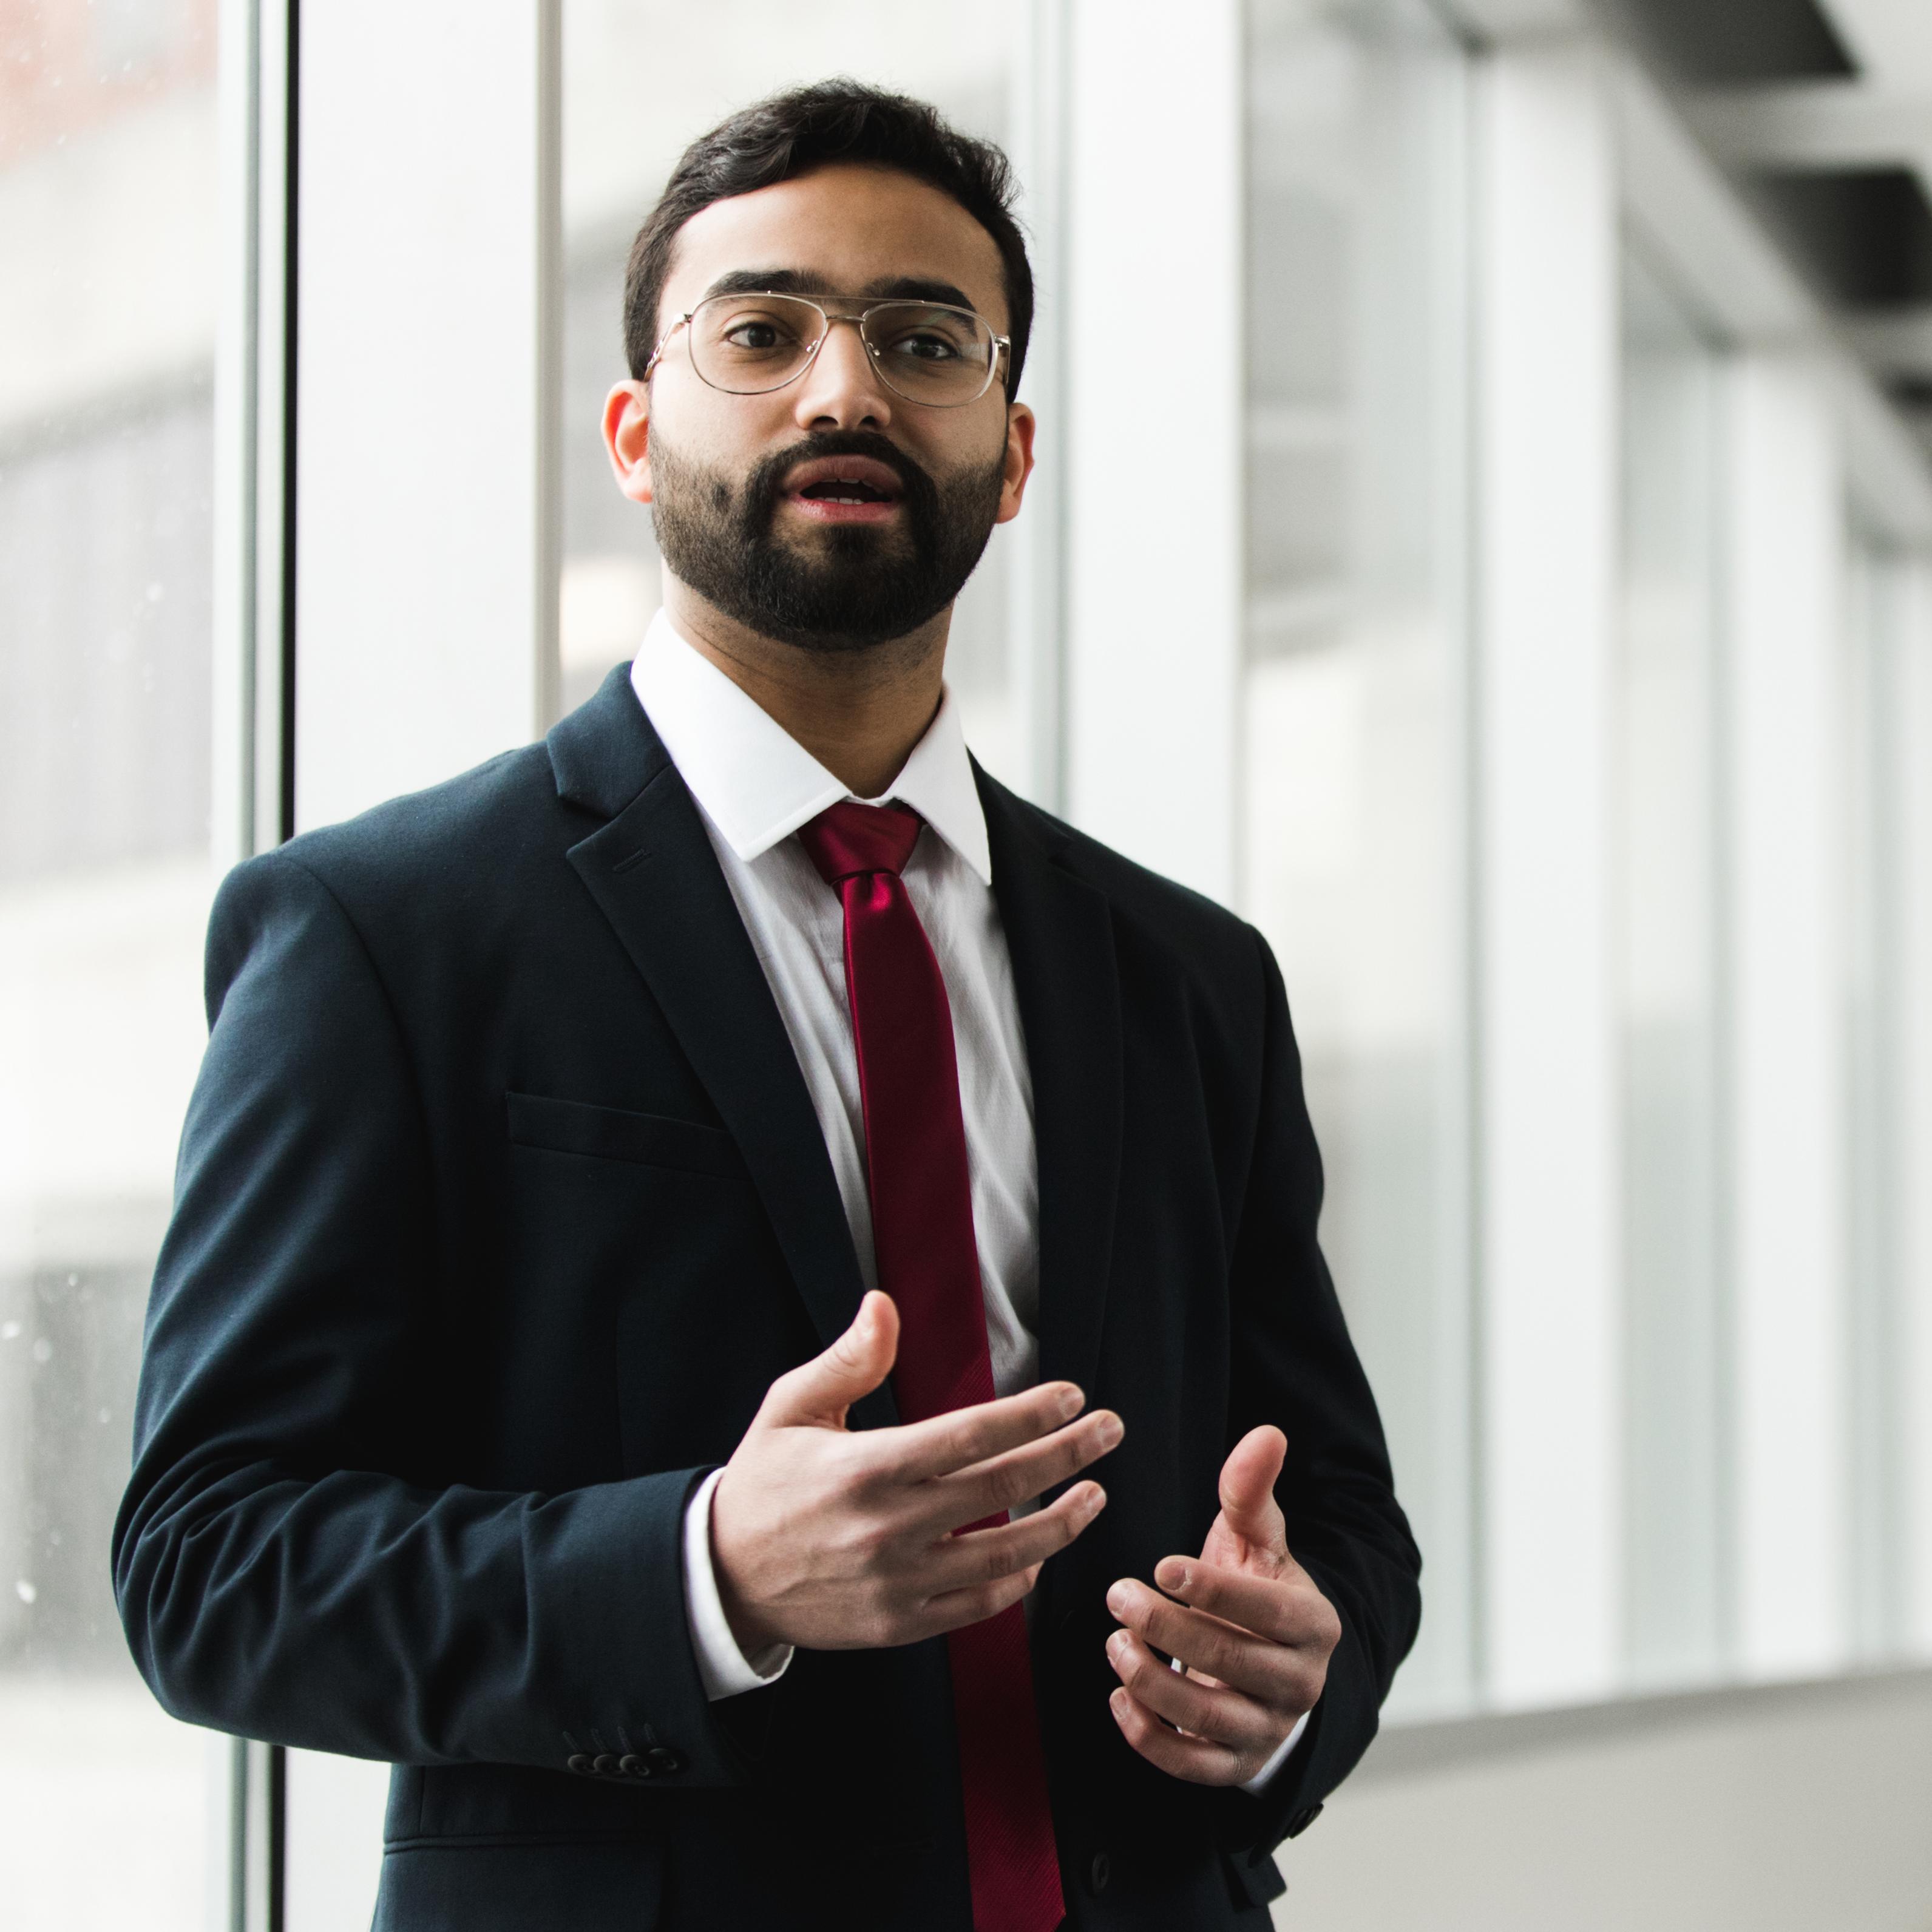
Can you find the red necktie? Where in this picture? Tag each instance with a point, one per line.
(928, 1262)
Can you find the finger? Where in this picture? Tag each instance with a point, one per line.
(953, 1609)
(1223, 1716)
(1287, 1609)
(1281, 1677)
(973, 1494)
(820, 1391)
(1194, 1758)
(983, 1555)
(1248, 1478)
(925, 1451)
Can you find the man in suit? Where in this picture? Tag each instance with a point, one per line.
(743, 1305)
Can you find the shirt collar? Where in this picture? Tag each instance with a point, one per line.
(758, 784)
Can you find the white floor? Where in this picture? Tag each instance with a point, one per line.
(1800, 1813)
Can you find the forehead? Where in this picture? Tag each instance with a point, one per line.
(846, 230)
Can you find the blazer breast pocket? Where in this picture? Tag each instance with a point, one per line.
(641, 1273)
(615, 1133)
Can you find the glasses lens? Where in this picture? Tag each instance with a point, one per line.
(749, 343)
(929, 353)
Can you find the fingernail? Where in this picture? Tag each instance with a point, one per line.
(1112, 1430)
(1096, 1500)
(1071, 1401)
(1117, 1703)
(1116, 1644)
(1117, 1600)
(1178, 1576)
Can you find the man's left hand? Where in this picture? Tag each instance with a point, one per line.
(1245, 1619)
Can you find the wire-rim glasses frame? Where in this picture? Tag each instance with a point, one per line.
(1001, 345)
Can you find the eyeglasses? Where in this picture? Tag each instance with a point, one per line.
(929, 352)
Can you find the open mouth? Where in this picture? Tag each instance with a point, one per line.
(844, 489)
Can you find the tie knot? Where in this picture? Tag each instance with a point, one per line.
(851, 839)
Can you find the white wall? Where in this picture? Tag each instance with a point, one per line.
(1546, 229)
(1783, 493)
(1914, 764)
(1154, 405)
(426, 594)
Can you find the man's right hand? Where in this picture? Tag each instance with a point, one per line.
(836, 1539)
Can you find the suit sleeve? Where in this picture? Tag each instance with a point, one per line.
(279, 1573)
(1294, 1366)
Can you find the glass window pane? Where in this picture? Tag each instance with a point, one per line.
(106, 327)
(642, 78)
(1353, 708)
(1667, 791)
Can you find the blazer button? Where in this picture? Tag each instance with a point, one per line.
(631, 1765)
(1100, 1873)
(606, 1765)
(664, 1763)
(581, 1764)
(1301, 1822)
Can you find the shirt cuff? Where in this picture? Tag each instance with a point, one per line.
(1258, 1783)
(723, 1668)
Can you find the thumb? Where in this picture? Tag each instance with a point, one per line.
(819, 1392)
(1247, 1488)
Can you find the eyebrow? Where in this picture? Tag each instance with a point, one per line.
(800, 282)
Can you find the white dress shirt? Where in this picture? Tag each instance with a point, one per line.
(755, 785)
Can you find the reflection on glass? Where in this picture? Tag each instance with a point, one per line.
(1352, 702)
(1667, 791)
(642, 78)
(106, 200)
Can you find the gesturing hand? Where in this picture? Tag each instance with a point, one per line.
(838, 1540)
(1245, 1619)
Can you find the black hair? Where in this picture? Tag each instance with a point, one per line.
(789, 134)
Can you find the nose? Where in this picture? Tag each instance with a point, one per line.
(841, 390)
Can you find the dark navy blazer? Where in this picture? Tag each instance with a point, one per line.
(501, 1202)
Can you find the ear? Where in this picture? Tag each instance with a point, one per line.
(1020, 425)
(627, 437)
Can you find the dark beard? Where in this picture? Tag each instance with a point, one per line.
(857, 587)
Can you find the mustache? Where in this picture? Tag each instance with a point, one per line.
(765, 485)
(858, 586)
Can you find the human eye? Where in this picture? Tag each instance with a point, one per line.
(930, 336)
(755, 334)
(927, 345)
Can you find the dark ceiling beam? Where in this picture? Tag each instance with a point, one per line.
(1863, 236)
(1738, 43)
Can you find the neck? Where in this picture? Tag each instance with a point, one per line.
(859, 712)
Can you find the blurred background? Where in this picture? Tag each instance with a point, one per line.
(1484, 479)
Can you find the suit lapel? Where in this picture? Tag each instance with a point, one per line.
(1059, 933)
(653, 872)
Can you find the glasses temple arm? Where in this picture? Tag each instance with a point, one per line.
(662, 341)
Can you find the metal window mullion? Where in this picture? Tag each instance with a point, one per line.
(274, 641)
(254, 642)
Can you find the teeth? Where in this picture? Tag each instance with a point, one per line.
(844, 489)
(855, 492)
